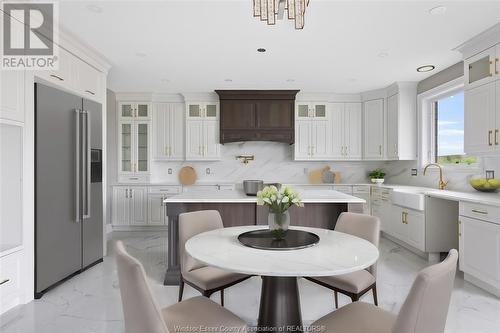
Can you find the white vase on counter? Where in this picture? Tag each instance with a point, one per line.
(378, 181)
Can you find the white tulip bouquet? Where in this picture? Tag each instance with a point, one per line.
(278, 200)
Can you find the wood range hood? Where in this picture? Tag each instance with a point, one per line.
(257, 115)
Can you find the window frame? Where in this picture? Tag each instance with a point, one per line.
(427, 124)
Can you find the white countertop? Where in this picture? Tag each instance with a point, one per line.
(336, 253)
(476, 197)
(236, 196)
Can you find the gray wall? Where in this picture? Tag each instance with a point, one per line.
(111, 142)
(451, 73)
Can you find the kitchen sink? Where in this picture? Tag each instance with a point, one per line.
(413, 198)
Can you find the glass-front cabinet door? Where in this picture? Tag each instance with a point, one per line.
(127, 110)
(319, 111)
(143, 111)
(126, 152)
(210, 111)
(480, 69)
(194, 110)
(142, 139)
(302, 111)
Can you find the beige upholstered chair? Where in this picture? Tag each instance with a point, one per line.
(142, 314)
(205, 279)
(424, 310)
(358, 283)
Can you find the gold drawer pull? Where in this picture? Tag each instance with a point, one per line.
(489, 138)
(90, 92)
(4, 281)
(480, 211)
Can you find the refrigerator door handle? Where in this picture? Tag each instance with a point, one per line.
(77, 173)
(86, 166)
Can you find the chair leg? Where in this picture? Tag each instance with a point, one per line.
(336, 298)
(222, 297)
(181, 289)
(375, 298)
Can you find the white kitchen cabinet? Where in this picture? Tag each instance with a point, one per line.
(415, 221)
(88, 80)
(479, 245)
(134, 142)
(202, 131)
(76, 76)
(168, 131)
(346, 125)
(482, 118)
(134, 111)
(373, 128)
(65, 76)
(381, 206)
(401, 124)
(129, 205)
(482, 68)
(312, 132)
(408, 225)
(12, 95)
(11, 291)
(156, 209)
(11, 185)
(363, 192)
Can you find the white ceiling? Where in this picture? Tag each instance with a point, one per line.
(197, 45)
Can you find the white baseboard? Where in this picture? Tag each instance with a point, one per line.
(481, 284)
(139, 227)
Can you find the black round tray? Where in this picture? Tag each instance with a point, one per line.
(264, 240)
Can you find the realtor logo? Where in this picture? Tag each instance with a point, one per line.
(29, 38)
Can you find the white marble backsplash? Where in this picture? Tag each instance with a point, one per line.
(273, 163)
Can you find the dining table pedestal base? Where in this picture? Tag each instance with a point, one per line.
(279, 305)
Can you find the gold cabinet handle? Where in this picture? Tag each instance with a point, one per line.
(480, 211)
(496, 67)
(57, 77)
(491, 69)
(459, 232)
(90, 92)
(490, 132)
(496, 137)
(4, 281)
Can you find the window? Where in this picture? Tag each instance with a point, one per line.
(447, 130)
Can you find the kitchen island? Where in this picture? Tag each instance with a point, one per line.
(321, 210)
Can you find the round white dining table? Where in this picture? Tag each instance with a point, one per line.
(336, 253)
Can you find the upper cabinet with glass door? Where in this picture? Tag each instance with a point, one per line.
(203, 110)
(305, 110)
(134, 110)
(482, 68)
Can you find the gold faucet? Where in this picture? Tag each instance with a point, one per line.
(442, 184)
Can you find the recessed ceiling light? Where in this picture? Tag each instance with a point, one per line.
(290, 80)
(261, 50)
(383, 54)
(140, 54)
(228, 80)
(94, 9)
(439, 10)
(425, 68)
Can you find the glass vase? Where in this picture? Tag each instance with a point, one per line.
(278, 223)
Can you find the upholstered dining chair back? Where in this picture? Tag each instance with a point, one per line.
(140, 311)
(362, 226)
(426, 307)
(192, 224)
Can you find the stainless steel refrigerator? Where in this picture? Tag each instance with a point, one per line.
(68, 186)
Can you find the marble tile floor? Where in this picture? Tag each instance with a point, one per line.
(90, 302)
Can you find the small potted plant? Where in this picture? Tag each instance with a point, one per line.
(377, 176)
(278, 202)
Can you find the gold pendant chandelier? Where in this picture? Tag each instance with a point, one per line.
(270, 10)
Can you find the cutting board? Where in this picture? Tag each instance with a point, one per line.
(187, 175)
(316, 176)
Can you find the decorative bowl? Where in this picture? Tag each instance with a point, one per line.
(485, 185)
